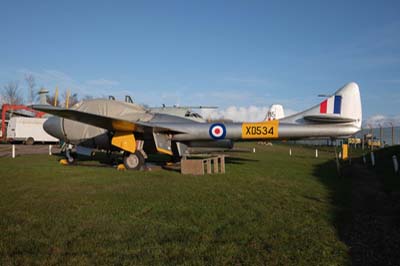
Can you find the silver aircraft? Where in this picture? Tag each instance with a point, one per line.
(137, 131)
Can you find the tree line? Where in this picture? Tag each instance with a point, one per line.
(11, 94)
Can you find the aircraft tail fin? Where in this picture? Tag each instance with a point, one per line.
(344, 106)
(275, 112)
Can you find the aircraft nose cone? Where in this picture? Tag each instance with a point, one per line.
(54, 128)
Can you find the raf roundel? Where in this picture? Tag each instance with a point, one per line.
(217, 131)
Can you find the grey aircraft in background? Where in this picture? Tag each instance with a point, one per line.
(182, 111)
(137, 131)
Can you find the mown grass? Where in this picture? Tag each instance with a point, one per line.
(268, 209)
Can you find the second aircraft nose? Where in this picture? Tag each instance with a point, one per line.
(53, 127)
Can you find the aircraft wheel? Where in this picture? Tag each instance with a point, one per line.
(133, 161)
(70, 159)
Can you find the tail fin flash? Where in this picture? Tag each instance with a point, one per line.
(344, 106)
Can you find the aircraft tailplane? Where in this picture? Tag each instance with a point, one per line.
(344, 106)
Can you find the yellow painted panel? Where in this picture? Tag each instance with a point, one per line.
(123, 125)
(67, 99)
(262, 130)
(161, 150)
(56, 97)
(345, 151)
(125, 141)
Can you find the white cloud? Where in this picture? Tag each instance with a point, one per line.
(50, 78)
(382, 120)
(55, 75)
(102, 82)
(258, 113)
(249, 81)
(239, 114)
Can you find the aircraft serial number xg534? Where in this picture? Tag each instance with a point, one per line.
(113, 125)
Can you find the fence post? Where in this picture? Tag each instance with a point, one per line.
(316, 153)
(13, 151)
(395, 164)
(50, 146)
(372, 159)
(290, 152)
(372, 138)
(392, 133)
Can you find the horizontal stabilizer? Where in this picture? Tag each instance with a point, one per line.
(328, 119)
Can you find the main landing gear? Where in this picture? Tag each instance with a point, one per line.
(69, 155)
(133, 161)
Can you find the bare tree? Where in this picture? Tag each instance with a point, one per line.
(87, 97)
(51, 98)
(30, 80)
(11, 93)
(73, 99)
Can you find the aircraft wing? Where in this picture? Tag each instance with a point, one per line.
(106, 122)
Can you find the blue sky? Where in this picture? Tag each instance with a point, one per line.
(224, 53)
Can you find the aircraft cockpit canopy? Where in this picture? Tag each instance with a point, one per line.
(192, 114)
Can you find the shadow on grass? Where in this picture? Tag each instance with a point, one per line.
(101, 159)
(228, 160)
(365, 216)
(339, 188)
(238, 160)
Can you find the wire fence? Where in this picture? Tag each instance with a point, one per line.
(384, 136)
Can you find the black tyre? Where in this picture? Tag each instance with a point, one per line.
(133, 161)
(29, 141)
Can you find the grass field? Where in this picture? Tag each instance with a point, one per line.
(268, 209)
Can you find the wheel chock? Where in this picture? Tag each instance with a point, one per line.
(64, 162)
(121, 167)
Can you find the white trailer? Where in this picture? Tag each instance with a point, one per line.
(28, 130)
